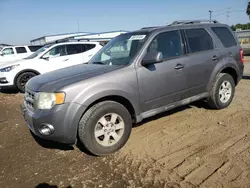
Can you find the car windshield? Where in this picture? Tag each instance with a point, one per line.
(120, 50)
(36, 53)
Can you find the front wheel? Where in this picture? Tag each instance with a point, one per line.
(22, 79)
(222, 92)
(105, 128)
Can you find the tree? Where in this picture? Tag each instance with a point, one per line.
(240, 26)
(248, 8)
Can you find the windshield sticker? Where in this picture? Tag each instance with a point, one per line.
(137, 37)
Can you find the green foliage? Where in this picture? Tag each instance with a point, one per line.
(241, 26)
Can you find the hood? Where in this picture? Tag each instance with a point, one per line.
(51, 81)
(10, 63)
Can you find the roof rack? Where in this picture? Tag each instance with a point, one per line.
(150, 27)
(193, 22)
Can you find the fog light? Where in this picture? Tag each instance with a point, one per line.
(3, 81)
(46, 129)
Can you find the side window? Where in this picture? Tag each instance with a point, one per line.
(89, 46)
(168, 43)
(20, 50)
(8, 51)
(225, 36)
(34, 48)
(74, 49)
(199, 40)
(56, 51)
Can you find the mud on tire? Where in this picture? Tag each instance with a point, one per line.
(105, 128)
(222, 92)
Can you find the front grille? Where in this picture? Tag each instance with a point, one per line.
(29, 99)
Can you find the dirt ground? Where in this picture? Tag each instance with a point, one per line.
(188, 147)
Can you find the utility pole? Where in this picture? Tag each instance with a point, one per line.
(210, 13)
(228, 13)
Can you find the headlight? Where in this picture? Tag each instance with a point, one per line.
(9, 68)
(48, 100)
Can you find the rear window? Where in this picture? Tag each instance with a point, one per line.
(225, 36)
(74, 49)
(199, 40)
(89, 46)
(20, 50)
(34, 48)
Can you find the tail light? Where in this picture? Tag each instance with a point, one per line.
(241, 56)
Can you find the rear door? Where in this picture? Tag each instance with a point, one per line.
(202, 56)
(89, 50)
(21, 52)
(75, 54)
(230, 48)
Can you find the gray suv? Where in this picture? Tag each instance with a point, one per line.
(135, 76)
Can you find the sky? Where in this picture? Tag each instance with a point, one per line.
(24, 20)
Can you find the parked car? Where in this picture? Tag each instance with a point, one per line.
(48, 58)
(135, 76)
(12, 53)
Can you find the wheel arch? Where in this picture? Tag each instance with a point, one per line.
(23, 71)
(116, 98)
(229, 69)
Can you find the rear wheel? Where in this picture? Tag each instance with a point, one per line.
(105, 128)
(22, 79)
(222, 92)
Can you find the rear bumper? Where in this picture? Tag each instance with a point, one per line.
(64, 119)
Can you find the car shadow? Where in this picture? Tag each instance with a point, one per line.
(246, 77)
(9, 90)
(51, 144)
(46, 185)
(197, 104)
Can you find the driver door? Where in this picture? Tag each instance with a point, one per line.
(8, 54)
(163, 83)
(54, 59)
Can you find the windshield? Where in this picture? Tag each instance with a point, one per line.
(120, 50)
(36, 53)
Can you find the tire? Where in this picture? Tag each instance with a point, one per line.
(22, 79)
(217, 99)
(89, 126)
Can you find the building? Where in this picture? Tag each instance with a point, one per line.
(4, 45)
(103, 37)
(100, 37)
(50, 38)
(244, 39)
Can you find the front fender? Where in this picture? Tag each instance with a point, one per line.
(92, 93)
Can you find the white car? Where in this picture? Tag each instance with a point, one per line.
(48, 58)
(12, 53)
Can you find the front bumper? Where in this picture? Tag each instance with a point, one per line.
(64, 118)
(6, 79)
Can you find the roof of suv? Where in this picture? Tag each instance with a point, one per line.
(180, 24)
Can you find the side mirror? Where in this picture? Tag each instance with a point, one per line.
(151, 58)
(1, 53)
(45, 57)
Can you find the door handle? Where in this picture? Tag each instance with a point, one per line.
(215, 58)
(179, 66)
(65, 59)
